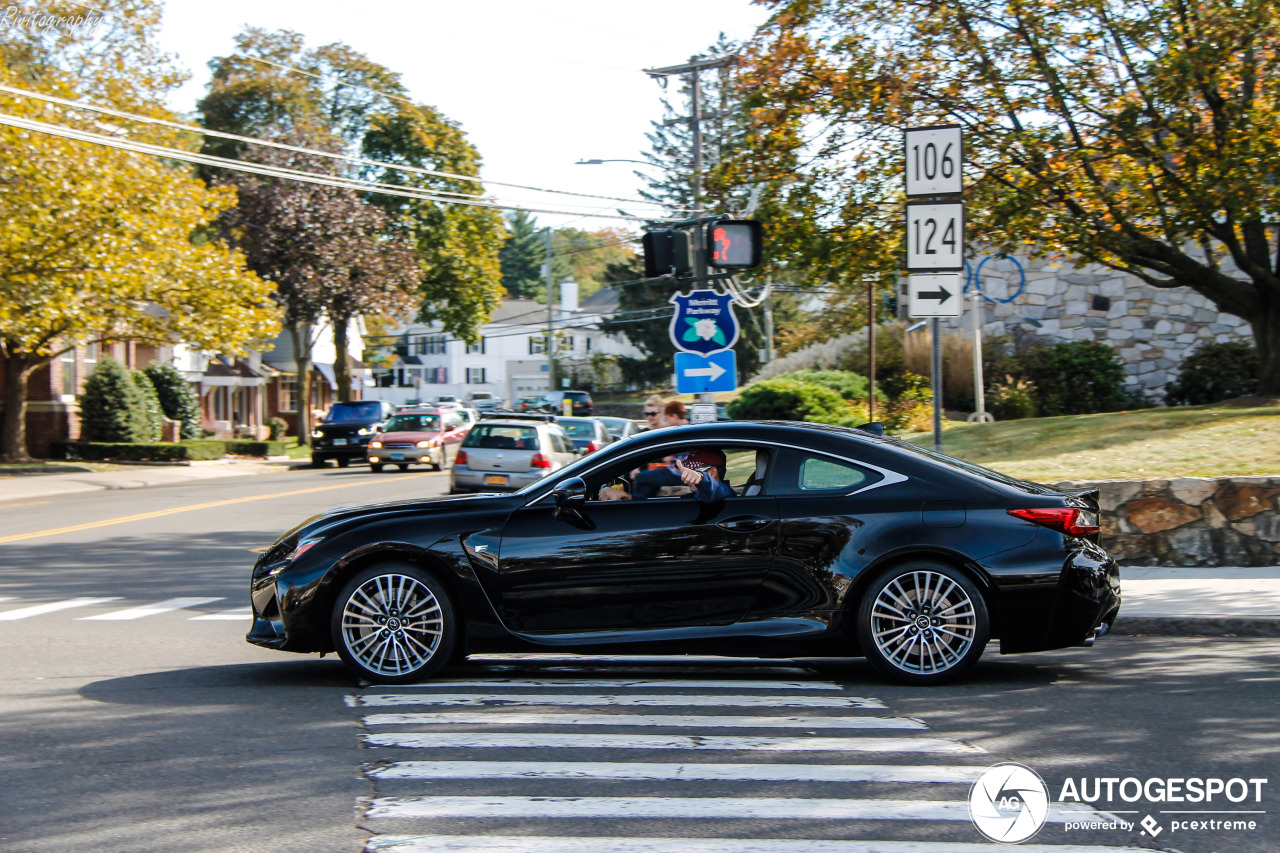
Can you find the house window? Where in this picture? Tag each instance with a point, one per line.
(475, 375)
(435, 345)
(476, 349)
(289, 393)
(537, 344)
(69, 373)
(587, 343)
(568, 344)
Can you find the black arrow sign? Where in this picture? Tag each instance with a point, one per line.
(941, 294)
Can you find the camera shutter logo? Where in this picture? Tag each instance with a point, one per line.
(1009, 803)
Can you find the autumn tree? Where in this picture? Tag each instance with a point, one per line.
(101, 245)
(1143, 136)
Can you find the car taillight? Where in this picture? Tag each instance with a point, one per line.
(1068, 520)
(461, 458)
(592, 447)
(539, 461)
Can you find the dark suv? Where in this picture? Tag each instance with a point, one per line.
(554, 402)
(345, 431)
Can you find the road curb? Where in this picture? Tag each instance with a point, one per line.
(1204, 626)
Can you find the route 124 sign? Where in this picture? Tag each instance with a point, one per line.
(703, 322)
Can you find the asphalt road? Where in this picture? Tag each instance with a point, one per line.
(166, 731)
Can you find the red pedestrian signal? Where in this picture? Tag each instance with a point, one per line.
(734, 244)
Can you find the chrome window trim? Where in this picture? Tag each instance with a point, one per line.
(888, 477)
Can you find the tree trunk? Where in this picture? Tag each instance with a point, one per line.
(300, 335)
(341, 364)
(1266, 335)
(13, 431)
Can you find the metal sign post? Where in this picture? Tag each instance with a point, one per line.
(980, 414)
(935, 237)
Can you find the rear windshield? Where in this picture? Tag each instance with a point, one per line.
(481, 395)
(579, 429)
(578, 396)
(348, 413)
(968, 467)
(499, 437)
(414, 423)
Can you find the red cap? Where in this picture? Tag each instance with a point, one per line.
(707, 457)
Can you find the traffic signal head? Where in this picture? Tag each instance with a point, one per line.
(666, 252)
(734, 244)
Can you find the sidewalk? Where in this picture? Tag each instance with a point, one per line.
(16, 487)
(1223, 601)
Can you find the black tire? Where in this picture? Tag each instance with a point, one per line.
(317, 462)
(403, 467)
(375, 467)
(371, 641)
(343, 463)
(922, 623)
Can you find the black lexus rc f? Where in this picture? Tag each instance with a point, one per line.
(836, 542)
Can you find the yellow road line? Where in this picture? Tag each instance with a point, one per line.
(18, 537)
(28, 503)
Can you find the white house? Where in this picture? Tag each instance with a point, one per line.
(510, 360)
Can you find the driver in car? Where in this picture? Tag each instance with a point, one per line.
(702, 470)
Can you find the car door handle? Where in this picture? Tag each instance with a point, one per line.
(744, 523)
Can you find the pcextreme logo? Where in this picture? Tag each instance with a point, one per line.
(1009, 803)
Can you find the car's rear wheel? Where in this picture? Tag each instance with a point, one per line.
(403, 467)
(375, 467)
(394, 623)
(922, 623)
(343, 463)
(318, 461)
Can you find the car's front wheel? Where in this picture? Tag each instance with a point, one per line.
(394, 623)
(922, 623)
(375, 467)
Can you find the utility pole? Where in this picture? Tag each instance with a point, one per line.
(693, 72)
(551, 348)
(768, 327)
(871, 345)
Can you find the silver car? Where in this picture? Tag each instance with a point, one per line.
(507, 454)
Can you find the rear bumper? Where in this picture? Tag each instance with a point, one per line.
(465, 479)
(1086, 599)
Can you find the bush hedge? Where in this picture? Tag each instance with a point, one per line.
(112, 408)
(846, 383)
(177, 398)
(1215, 372)
(788, 400)
(151, 405)
(187, 451)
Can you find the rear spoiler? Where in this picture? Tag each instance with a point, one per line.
(875, 427)
(1087, 496)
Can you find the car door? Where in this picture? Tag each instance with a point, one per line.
(634, 565)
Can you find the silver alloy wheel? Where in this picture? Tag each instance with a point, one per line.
(923, 622)
(392, 624)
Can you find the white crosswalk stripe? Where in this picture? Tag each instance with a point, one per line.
(482, 733)
(165, 606)
(239, 614)
(51, 607)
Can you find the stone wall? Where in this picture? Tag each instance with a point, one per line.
(1190, 521)
(1152, 328)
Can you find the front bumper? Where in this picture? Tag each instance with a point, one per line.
(324, 449)
(403, 455)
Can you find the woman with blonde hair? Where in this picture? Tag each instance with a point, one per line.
(653, 412)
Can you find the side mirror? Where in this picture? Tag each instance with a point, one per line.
(570, 493)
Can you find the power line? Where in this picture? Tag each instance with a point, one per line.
(278, 172)
(191, 128)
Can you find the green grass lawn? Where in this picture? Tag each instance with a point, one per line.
(1193, 441)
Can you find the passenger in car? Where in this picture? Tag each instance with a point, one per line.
(702, 470)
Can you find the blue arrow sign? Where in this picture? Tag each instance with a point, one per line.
(699, 374)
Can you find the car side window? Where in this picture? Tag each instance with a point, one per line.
(802, 473)
(559, 443)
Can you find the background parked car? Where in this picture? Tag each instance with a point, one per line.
(503, 455)
(527, 404)
(620, 428)
(582, 404)
(587, 434)
(346, 429)
(485, 401)
(448, 400)
(428, 436)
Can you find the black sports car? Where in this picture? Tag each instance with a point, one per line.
(835, 542)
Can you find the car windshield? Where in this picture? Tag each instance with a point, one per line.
(481, 395)
(343, 413)
(578, 429)
(502, 437)
(414, 423)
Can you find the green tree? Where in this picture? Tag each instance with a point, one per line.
(112, 407)
(522, 256)
(1141, 136)
(150, 406)
(177, 398)
(101, 245)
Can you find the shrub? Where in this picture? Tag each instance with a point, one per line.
(177, 398)
(151, 404)
(278, 427)
(846, 383)
(1012, 399)
(253, 447)
(101, 451)
(111, 407)
(1215, 372)
(1074, 377)
(788, 400)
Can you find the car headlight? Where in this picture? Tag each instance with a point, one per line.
(430, 442)
(303, 547)
(365, 431)
(315, 433)
(375, 444)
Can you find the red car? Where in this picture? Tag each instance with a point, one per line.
(429, 437)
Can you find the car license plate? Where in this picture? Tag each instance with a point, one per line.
(338, 442)
(495, 480)
(397, 455)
